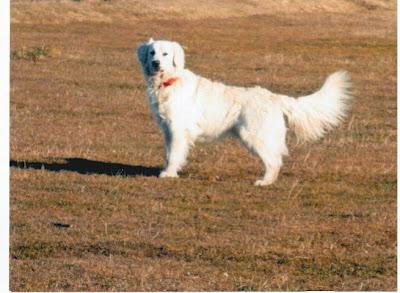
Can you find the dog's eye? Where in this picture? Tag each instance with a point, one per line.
(165, 54)
(152, 53)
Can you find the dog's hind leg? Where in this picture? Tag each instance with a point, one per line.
(266, 138)
(271, 154)
(272, 164)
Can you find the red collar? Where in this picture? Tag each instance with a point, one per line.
(168, 82)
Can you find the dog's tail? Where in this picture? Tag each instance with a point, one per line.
(312, 116)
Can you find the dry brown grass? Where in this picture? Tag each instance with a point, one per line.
(110, 11)
(88, 214)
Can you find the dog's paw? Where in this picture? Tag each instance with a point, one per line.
(262, 183)
(259, 183)
(165, 174)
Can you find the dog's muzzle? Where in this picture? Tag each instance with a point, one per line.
(156, 65)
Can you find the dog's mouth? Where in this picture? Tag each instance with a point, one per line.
(157, 71)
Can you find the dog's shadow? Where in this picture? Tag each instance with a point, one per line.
(84, 166)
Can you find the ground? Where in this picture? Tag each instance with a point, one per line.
(89, 213)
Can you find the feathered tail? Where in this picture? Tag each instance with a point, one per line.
(312, 116)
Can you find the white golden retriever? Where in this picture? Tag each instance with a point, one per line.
(190, 108)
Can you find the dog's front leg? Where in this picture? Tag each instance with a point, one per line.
(179, 148)
(167, 142)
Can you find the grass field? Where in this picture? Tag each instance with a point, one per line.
(89, 213)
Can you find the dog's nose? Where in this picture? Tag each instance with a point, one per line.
(155, 63)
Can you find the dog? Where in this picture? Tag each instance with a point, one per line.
(190, 108)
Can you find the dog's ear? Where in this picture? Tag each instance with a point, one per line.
(179, 56)
(142, 51)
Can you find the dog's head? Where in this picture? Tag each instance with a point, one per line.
(160, 56)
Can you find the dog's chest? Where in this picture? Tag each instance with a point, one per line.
(161, 105)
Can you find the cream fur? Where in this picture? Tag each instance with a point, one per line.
(196, 109)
